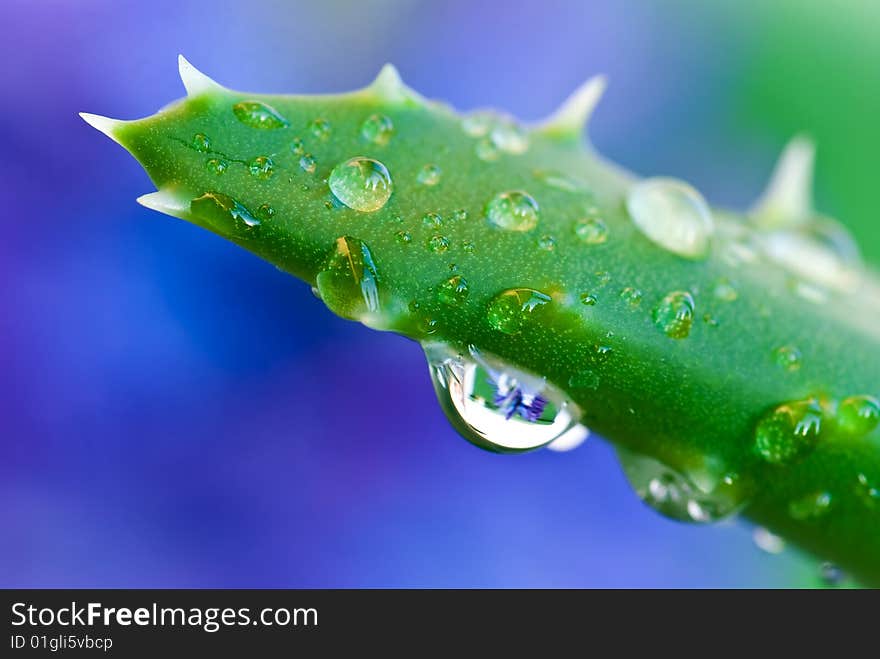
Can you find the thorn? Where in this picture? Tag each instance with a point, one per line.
(571, 119)
(788, 198)
(389, 86)
(166, 201)
(195, 81)
(106, 125)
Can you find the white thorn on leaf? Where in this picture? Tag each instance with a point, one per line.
(571, 118)
(106, 125)
(166, 201)
(788, 198)
(390, 87)
(194, 81)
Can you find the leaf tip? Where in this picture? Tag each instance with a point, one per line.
(194, 81)
(788, 198)
(103, 124)
(389, 86)
(571, 119)
(167, 202)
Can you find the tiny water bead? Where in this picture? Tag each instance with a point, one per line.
(500, 132)
(432, 220)
(459, 215)
(789, 432)
(477, 124)
(495, 406)
(223, 213)
(362, 184)
(378, 129)
(403, 237)
(513, 211)
(675, 314)
(257, 114)
(348, 281)
(588, 299)
(787, 357)
(201, 143)
(868, 491)
(632, 296)
(307, 163)
(831, 575)
(320, 128)
(216, 166)
(454, 291)
(262, 168)
(547, 243)
(438, 244)
(511, 310)
(297, 146)
(468, 247)
(265, 212)
(591, 231)
(858, 415)
(678, 496)
(671, 214)
(810, 506)
(429, 175)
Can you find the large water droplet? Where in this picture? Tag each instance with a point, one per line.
(675, 314)
(677, 496)
(513, 211)
(494, 406)
(671, 214)
(511, 310)
(223, 213)
(789, 432)
(361, 183)
(348, 280)
(257, 114)
(378, 129)
(858, 415)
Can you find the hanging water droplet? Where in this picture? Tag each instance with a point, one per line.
(297, 146)
(320, 128)
(513, 211)
(591, 231)
(348, 281)
(787, 357)
(222, 213)
(810, 506)
(632, 296)
(216, 166)
(547, 243)
(858, 415)
(494, 406)
(257, 114)
(432, 220)
(511, 310)
(767, 541)
(307, 163)
(362, 184)
(201, 143)
(570, 439)
(831, 575)
(677, 496)
(454, 291)
(438, 244)
(672, 215)
(675, 314)
(378, 129)
(588, 299)
(429, 175)
(789, 432)
(403, 237)
(262, 168)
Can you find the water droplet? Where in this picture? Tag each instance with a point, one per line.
(468, 247)
(787, 357)
(513, 211)
(588, 299)
(201, 143)
(262, 168)
(831, 575)
(725, 290)
(403, 237)
(258, 115)
(570, 439)
(858, 415)
(431, 220)
(602, 278)
(429, 175)
(632, 296)
(675, 314)
(558, 180)
(767, 541)
(585, 379)
(459, 215)
(265, 212)
(547, 243)
(348, 280)
(867, 491)
(591, 231)
(810, 506)
(378, 129)
(477, 124)
(509, 137)
(216, 166)
(307, 163)
(320, 128)
(297, 146)
(487, 151)
(223, 213)
(672, 215)
(438, 244)
(494, 406)
(361, 183)
(789, 432)
(676, 495)
(454, 291)
(510, 310)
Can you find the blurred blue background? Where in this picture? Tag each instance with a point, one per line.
(177, 413)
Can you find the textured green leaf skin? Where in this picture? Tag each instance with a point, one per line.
(692, 403)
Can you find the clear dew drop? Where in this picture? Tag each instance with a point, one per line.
(432, 220)
(486, 150)
(222, 213)
(810, 506)
(788, 358)
(677, 496)
(429, 175)
(591, 231)
(297, 146)
(831, 575)
(257, 114)
(509, 137)
(588, 299)
(307, 163)
(477, 124)
(675, 314)
(547, 243)
(362, 184)
(454, 291)
(459, 215)
(673, 215)
(261, 168)
(868, 491)
(767, 542)
(789, 432)
(265, 212)
(494, 406)
(348, 281)
(216, 166)
(510, 311)
(632, 296)
(403, 237)
(438, 244)
(320, 128)
(201, 143)
(378, 129)
(570, 439)
(858, 415)
(468, 247)
(513, 211)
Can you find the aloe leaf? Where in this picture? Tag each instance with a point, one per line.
(732, 358)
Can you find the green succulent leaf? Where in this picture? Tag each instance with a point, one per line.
(733, 358)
